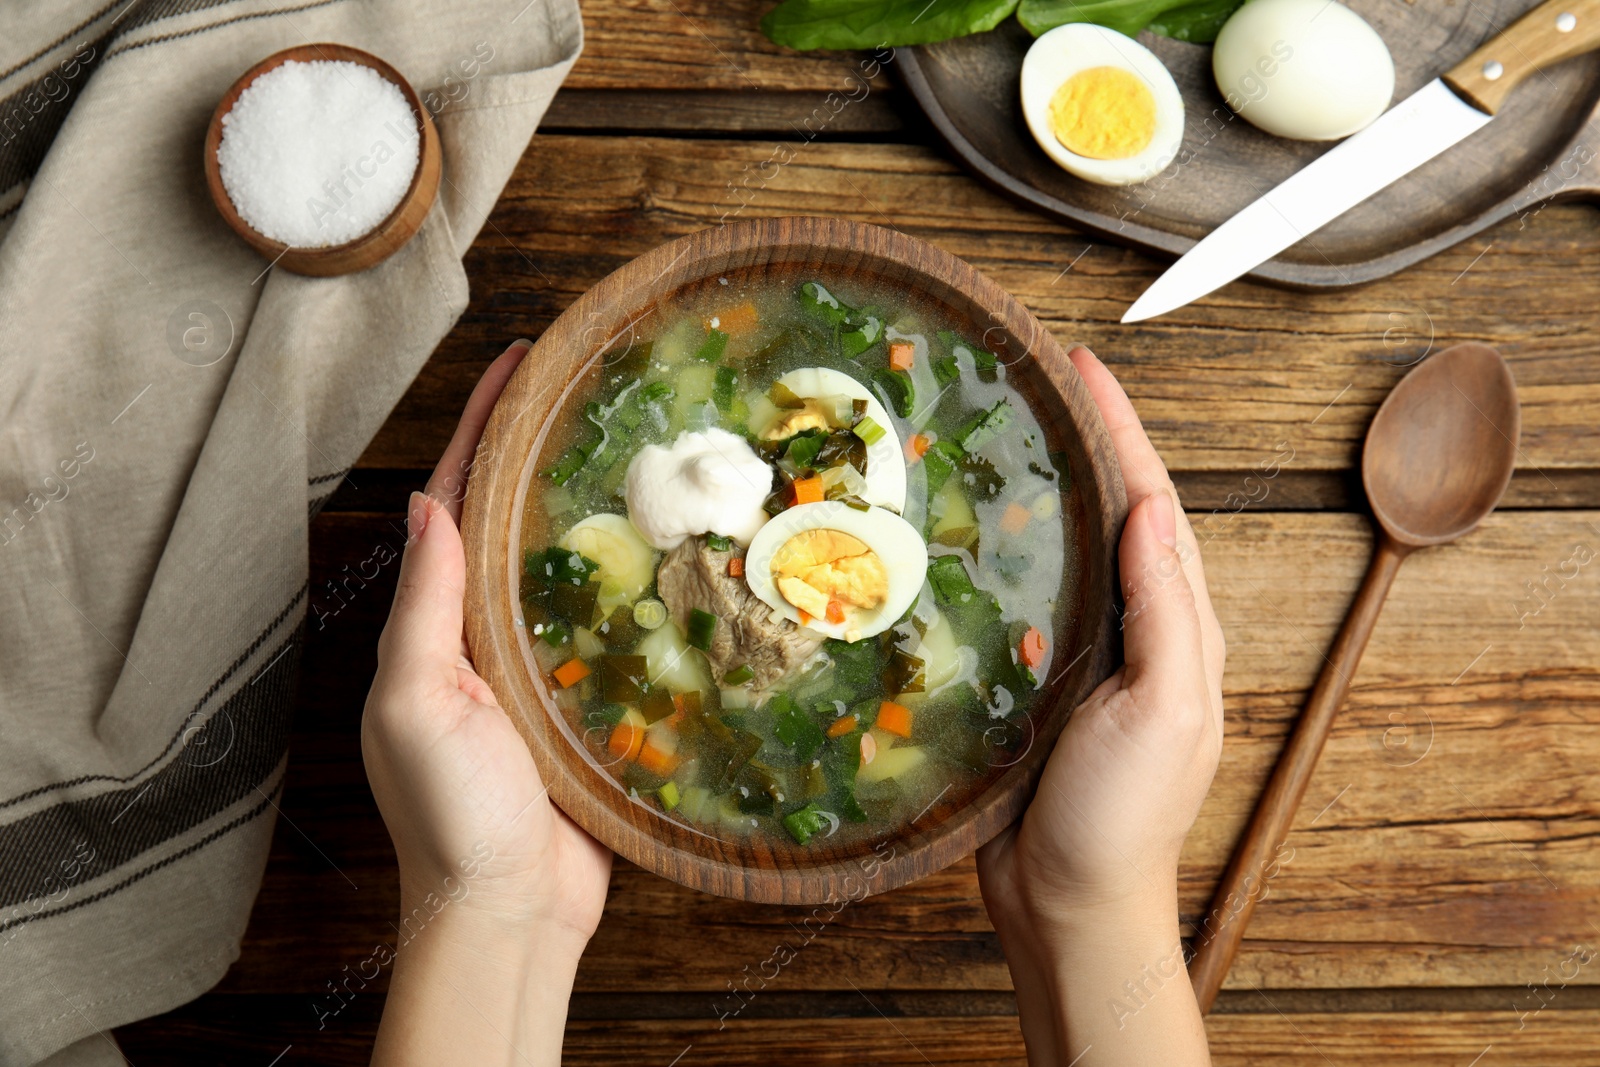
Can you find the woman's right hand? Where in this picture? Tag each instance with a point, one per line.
(1087, 879)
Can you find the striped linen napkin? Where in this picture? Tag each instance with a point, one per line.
(172, 413)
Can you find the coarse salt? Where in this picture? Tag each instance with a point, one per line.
(318, 154)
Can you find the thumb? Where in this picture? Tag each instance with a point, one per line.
(1161, 625)
(423, 634)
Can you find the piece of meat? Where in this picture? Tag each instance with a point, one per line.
(694, 575)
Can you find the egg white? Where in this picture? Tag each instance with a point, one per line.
(895, 540)
(886, 464)
(1064, 51)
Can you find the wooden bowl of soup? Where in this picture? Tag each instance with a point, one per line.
(791, 546)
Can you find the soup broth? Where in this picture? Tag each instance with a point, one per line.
(797, 562)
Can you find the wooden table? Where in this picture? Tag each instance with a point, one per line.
(1444, 866)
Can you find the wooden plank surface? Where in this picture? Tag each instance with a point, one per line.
(696, 44)
(880, 114)
(1223, 385)
(877, 1029)
(1440, 1040)
(1455, 848)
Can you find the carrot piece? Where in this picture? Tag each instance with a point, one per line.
(1016, 518)
(736, 320)
(835, 612)
(841, 726)
(736, 567)
(571, 673)
(808, 490)
(894, 718)
(658, 762)
(805, 619)
(688, 703)
(626, 738)
(901, 355)
(916, 447)
(869, 749)
(1032, 648)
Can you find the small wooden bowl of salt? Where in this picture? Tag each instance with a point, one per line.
(323, 158)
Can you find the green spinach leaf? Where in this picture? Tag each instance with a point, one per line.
(1197, 23)
(1187, 20)
(793, 727)
(807, 24)
(896, 389)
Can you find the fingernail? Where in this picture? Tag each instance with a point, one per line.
(1163, 523)
(523, 341)
(416, 515)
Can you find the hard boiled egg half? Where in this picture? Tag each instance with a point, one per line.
(627, 563)
(886, 463)
(840, 571)
(1101, 104)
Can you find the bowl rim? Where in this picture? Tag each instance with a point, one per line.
(492, 516)
(278, 251)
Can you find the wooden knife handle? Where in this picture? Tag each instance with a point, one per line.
(1551, 32)
(1219, 932)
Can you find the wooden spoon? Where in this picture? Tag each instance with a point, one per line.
(1438, 456)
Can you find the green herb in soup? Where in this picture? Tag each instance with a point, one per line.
(809, 578)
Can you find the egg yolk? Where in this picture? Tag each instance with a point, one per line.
(819, 569)
(808, 417)
(1104, 113)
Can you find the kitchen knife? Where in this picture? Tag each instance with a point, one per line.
(1429, 121)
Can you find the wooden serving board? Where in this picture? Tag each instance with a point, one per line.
(1544, 144)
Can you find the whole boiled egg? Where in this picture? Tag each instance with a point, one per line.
(840, 571)
(886, 463)
(1101, 104)
(1312, 70)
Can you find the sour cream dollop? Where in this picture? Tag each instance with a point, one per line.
(709, 481)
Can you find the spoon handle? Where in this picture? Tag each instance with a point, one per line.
(1218, 935)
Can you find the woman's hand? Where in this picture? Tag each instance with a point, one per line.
(1083, 890)
(499, 888)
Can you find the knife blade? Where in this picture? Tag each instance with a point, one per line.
(1430, 121)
